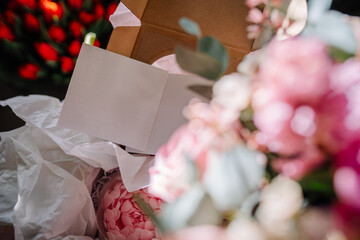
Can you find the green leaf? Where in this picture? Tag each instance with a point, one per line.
(194, 207)
(87, 5)
(198, 63)
(148, 211)
(233, 176)
(318, 186)
(215, 49)
(329, 26)
(15, 49)
(339, 55)
(190, 27)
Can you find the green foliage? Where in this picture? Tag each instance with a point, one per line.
(318, 186)
(210, 60)
(198, 63)
(190, 27)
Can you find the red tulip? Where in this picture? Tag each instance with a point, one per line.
(46, 51)
(52, 10)
(111, 9)
(75, 4)
(31, 4)
(76, 29)
(6, 33)
(29, 71)
(74, 48)
(56, 33)
(99, 11)
(67, 64)
(86, 17)
(97, 43)
(31, 22)
(10, 17)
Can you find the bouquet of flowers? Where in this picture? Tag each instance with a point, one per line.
(275, 153)
(41, 39)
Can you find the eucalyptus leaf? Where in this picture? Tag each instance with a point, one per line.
(233, 176)
(198, 63)
(149, 212)
(329, 26)
(192, 208)
(190, 27)
(215, 49)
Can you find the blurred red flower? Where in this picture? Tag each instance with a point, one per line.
(75, 4)
(110, 10)
(31, 4)
(67, 64)
(6, 33)
(52, 10)
(99, 11)
(76, 29)
(46, 51)
(29, 71)
(74, 48)
(31, 22)
(10, 17)
(12, 5)
(86, 17)
(56, 33)
(97, 43)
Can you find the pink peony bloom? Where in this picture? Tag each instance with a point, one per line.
(120, 215)
(200, 232)
(211, 130)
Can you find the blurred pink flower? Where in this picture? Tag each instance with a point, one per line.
(345, 101)
(347, 175)
(123, 219)
(292, 85)
(255, 16)
(200, 232)
(211, 130)
(298, 67)
(298, 166)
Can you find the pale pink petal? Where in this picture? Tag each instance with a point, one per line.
(126, 206)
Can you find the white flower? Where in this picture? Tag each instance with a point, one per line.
(232, 92)
(245, 228)
(280, 201)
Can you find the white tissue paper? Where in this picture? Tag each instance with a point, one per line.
(46, 173)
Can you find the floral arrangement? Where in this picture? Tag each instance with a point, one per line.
(41, 39)
(275, 153)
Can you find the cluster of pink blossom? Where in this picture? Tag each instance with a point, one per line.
(306, 109)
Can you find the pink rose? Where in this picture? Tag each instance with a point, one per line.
(291, 90)
(297, 69)
(121, 216)
(211, 130)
